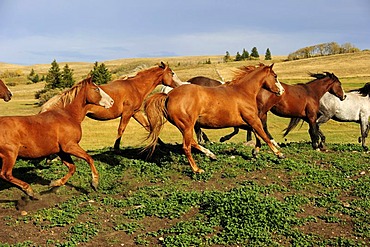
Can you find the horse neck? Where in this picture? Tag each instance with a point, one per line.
(320, 86)
(78, 107)
(146, 81)
(251, 83)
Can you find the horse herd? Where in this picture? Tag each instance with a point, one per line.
(241, 103)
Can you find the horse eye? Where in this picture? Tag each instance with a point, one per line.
(97, 89)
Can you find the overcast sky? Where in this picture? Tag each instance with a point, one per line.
(39, 31)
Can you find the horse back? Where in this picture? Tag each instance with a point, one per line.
(204, 81)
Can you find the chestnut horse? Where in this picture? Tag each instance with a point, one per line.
(129, 94)
(300, 101)
(56, 131)
(232, 105)
(5, 93)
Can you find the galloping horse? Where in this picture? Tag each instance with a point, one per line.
(201, 81)
(5, 93)
(232, 105)
(355, 108)
(128, 95)
(56, 131)
(300, 101)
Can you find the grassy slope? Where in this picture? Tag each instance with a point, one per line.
(352, 69)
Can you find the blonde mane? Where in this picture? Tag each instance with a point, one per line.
(65, 98)
(240, 73)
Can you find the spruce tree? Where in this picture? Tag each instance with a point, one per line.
(254, 53)
(245, 55)
(100, 74)
(238, 57)
(54, 77)
(67, 77)
(268, 54)
(227, 57)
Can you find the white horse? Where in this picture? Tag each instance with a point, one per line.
(355, 108)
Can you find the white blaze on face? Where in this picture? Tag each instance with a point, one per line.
(105, 100)
(176, 79)
(280, 87)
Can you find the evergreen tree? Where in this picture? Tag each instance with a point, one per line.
(227, 57)
(245, 55)
(54, 77)
(238, 57)
(268, 54)
(67, 77)
(33, 77)
(100, 74)
(254, 53)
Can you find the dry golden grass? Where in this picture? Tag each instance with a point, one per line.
(352, 69)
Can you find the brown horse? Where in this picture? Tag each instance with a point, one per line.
(129, 94)
(300, 101)
(232, 105)
(56, 131)
(5, 93)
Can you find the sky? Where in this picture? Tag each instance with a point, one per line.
(39, 31)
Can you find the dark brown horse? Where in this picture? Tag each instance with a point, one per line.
(300, 101)
(5, 93)
(56, 131)
(232, 105)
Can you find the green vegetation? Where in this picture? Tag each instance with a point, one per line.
(308, 199)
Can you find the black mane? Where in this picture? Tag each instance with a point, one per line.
(364, 91)
(323, 75)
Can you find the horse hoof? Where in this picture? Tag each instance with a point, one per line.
(222, 139)
(199, 171)
(55, 183)
(281, 156)
(365, 148)
(94, 185)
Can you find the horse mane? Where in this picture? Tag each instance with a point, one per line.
(241, 72)
(364, 91)
(323, 75)
(65, 98)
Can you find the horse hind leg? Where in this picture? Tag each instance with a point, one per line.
(229, 136)
(121, 128)
(364, 133)
(7, 175)
(67, 160)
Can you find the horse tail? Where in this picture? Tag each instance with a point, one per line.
(156, 113)
(292, 124)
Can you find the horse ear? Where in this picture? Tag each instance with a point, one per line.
(162, 65)
(272, 65)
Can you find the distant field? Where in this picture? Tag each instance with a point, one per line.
(352, 69)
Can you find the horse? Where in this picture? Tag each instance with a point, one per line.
(233, 104)
(129, 94)
(355, 108)
(201, 81)
(300, 101)
(56, 131)
(5, 93)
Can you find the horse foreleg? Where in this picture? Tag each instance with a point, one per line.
(364, 125)
(314, 134)
(67, 161)
(229, 136)
(77, 151)
(256, 124)
(7, 175)
(263, 118)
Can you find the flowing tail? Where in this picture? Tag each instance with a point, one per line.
(155, 111)
(292, 124)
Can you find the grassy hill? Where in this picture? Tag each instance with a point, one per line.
(352, 69)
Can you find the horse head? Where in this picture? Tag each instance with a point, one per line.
(272, 82)
(5, 93)
(336, 87)
(169, 78)
(96, 95)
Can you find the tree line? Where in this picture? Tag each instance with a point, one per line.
(323, 49)
(245, 55)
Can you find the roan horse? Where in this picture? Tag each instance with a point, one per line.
(232, 105)
(300, 101)
(129, 94)
(5, 93)
(355, 108)
(56, 131)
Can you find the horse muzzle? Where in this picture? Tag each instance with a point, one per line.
(344, 97)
